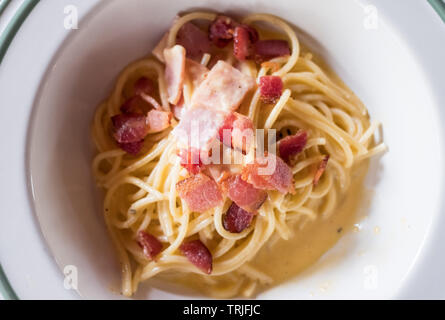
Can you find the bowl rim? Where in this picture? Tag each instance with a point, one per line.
(7, 37)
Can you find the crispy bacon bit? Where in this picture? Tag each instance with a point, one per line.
(224, 88)
(320, 170)
(269, 173)
(135, 104)
(174, 72)
(133, 147)
(237, 132)
(271, 88)
(244, 38)
(245, 195)
(129, 127)
(190, 159)
(198, 254)
(269, 49)
(236, 219)
(149, 244)
(158, 120)
(194, 40)
(144, 85)
(221, 31)
(199, 192)
(291, 146)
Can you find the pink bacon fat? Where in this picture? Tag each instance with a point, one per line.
(271, 88)
(290, 146)
(200, 192)
(198, 254)
(150, 245)
(269, 173)
(174, 72)
(236, 219)
(223, 89)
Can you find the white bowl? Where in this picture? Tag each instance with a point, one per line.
(64, 74)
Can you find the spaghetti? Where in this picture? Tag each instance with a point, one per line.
(140, 191)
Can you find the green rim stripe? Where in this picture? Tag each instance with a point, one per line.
(5, 40)
(3, 5)
(14, 25)
(439, 6)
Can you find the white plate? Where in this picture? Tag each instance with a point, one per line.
(52, 79)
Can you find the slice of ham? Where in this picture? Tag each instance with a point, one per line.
(190, 160)
(290, 146)
(194, 40)
(222, 30)
(196, 72)
(200, 192)
(320, 170)
(158, 120)
(244, 194)
(224, 88)
(237, 132)
(269, 173)
(198, 128)
(269, 49)
(150, 245)
(133, 147)
(236, 219)
(174, 72)
(271, 88)
(198, 254)
(129, 127)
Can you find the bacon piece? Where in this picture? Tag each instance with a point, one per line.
(190, 159)
(194, 40)
(291, 146)
(150, 245)
(221, 31)
(269, 49)
(133, 147)
(244, 38)
(199, 192)
(269, 173)
(198, 254)
(236, 219)
(174, 72)
(244, 194)
(238, 131)
(271, 88)
(224, 88)
(198, 128)
(158, 120)
(135, 104)
(196, 72)
(144, 85)
(129, 127)
(320, 170)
